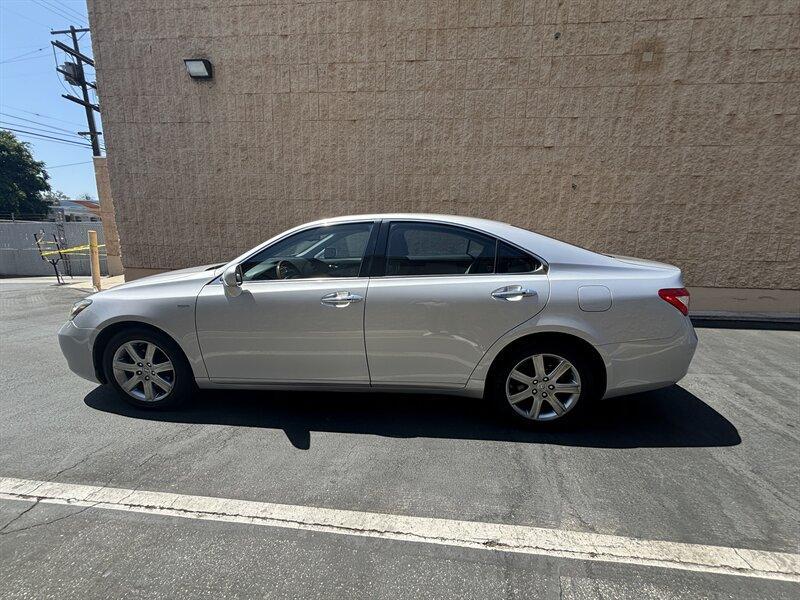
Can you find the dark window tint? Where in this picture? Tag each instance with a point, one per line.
(511, 260)
(428, 249)
(332, 251)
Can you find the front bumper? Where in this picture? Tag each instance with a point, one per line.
(76, 346)
(648, 364)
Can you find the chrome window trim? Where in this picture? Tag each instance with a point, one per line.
(312, 279)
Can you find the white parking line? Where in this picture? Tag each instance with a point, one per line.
(446, 532)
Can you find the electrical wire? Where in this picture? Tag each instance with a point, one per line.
(55, 60)
(30, 112)
(27, 18)
(67, 9)
(37, 123)
(19, 56)
(47, 137)
(85, 162)
(70, 133)
(54, 10)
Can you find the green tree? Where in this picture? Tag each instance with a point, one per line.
(54, 197)
(23, 180)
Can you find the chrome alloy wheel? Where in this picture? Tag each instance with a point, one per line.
(143, 371)
(543, 387)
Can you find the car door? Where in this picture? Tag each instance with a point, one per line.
(299, 317)
(440, 295)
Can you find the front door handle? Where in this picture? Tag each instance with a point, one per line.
(340, 299)
(512, 293)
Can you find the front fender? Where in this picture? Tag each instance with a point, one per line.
(173, 313)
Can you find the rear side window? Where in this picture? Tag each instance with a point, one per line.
(512, 260)
(432, 249)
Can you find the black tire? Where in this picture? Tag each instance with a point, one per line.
(181, 376)
(588, 381)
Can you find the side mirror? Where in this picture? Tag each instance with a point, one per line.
(330, 252)
(232, 276)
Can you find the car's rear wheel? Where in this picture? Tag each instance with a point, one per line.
(543, 383)
(147, 369)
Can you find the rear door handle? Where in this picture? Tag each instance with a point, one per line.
(340, 299)
(513, 293)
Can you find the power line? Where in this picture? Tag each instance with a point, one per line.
(78, 15)
(59, 132)
(47, 137)
(36, 123)
(85, 162)
(55, 60)
(54, 10)
(62, 132)
(18, 56)
(19, 60)
(27, 18)
(30, 112)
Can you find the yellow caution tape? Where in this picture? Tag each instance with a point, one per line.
(70, 250)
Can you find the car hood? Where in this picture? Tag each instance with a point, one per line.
(201, 272)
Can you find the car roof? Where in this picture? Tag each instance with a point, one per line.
(549, 249)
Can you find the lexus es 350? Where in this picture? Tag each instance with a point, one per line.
(403, 302)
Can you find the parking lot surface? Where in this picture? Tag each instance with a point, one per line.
(711, 461)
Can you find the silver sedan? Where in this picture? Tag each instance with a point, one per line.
(398, 302)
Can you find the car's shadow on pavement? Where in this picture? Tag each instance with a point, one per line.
(672, 417)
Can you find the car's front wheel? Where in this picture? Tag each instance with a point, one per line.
(147, 369)
(543, 383)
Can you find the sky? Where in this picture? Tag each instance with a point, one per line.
(30, 89)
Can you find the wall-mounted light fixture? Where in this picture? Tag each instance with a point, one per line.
(198, 68)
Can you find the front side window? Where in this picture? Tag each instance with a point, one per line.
(416, 249)
(330, 251)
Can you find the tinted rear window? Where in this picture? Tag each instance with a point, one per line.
(511, 260)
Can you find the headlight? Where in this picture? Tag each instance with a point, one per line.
(79, 307)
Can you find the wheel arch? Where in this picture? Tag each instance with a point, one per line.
(586, 348)
(108, 332)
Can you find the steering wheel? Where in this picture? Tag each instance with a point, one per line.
(286, 269)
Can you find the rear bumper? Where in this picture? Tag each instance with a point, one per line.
(648, 364)
(76, 347)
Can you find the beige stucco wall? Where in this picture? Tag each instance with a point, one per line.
(667, 130)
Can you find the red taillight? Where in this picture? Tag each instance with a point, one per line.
(678, 297)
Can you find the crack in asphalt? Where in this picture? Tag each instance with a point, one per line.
(82, 460)
(50, 522)
(19, 516)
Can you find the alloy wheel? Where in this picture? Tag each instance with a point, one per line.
(543, 387)
(143, 371)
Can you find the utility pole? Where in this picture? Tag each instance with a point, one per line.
(74, 74)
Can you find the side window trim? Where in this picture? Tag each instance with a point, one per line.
(378, 268)
(368, 260)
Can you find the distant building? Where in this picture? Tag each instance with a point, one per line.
(79, 210)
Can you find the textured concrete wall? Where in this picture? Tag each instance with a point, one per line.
(661, 129)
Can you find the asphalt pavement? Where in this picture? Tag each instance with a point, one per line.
(711, 461)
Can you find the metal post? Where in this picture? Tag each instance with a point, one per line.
(95, 256)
